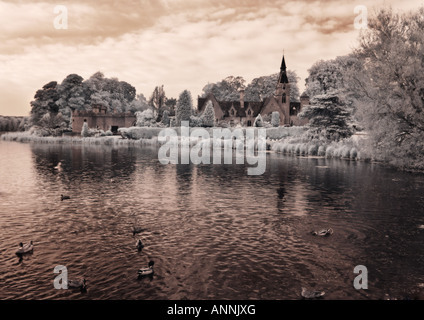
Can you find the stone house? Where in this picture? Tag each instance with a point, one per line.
(245, 112)
(98, 118)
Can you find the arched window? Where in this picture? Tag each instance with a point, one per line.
(249, 113)
(284, 98)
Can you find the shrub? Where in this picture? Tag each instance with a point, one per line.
(275, 119)
(85, 131)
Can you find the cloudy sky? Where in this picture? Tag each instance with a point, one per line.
(182, 44)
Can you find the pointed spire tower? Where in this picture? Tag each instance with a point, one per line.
(282, 92)
(283, 72)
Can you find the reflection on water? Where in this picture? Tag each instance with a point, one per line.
(213, 231)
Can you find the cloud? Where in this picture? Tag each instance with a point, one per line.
(183, 44)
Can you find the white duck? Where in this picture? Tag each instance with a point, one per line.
(59, 166)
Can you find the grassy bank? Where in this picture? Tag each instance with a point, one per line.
(292, 141)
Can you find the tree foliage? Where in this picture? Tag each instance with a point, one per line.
(208, 116)
(146, 118)
(85, 131)
(328, 116)
(227, 89)
(73, 93)
(260, 88)
(391, 86)
(275, 119)
(184, 107)
(263, 87)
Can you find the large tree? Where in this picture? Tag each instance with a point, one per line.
(392, 86)
(115, 95)
(74, 95)
(227, 89)
(263, 87)
(45, 102)
(328, 116)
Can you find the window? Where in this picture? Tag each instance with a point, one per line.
(249, 113)
(284, 98)
(249, 123)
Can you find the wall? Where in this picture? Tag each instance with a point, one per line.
(101, 121)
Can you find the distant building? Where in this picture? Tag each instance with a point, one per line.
(244, 112)
(99, 119)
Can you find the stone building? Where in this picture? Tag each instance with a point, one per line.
(244, 112)
(98, 118)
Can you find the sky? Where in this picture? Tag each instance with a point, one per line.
(181, 44)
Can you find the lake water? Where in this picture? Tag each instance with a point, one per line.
(213, 231)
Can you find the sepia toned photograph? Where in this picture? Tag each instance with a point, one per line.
(230, 152)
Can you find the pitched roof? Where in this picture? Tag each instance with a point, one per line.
(226, 106)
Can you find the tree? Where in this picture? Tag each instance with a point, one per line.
(165, 118)
(45, 102)
(84, 131)
(392, 86)
(138, 104)
(115, 95)
(208, 116)
(146, 118)
(73, 96)
(328, 116)
(263, 87)
(170, 105)
(196, 121)
(227, 89)
(184, 107)
(275, 119)
(335, 75)
(158, 98)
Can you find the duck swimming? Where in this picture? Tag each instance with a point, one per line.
(78, 284)
(59, 166)
(62, 197)
(310, 294)
(139, 245)
(323, 232)
(137, 230)
(25, 248)
(146, 271)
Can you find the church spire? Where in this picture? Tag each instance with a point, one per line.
(283, 64)
(283, 72)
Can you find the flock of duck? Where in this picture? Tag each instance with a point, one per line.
(81, 283)
(148, 271)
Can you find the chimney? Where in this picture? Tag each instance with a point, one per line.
(242, 98)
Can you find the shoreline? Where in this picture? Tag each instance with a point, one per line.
(287, 144)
